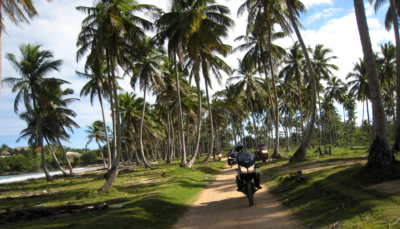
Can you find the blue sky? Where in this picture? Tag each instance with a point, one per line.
(328, 22)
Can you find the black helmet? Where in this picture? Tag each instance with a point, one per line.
(238, 146)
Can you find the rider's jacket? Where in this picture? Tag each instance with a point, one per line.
(230, 153)
(245, 157)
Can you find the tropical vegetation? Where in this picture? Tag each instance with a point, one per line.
(288, 98)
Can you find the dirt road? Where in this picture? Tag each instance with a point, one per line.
(221, 206)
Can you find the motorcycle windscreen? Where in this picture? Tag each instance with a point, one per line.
(246, 160)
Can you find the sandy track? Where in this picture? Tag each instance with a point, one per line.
(221, 206)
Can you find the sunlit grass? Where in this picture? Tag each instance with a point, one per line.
(333, 190)
(145, 198)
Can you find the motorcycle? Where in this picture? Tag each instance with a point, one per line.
(247, 174)
(263, 153)
(220, 156)
(231, 159)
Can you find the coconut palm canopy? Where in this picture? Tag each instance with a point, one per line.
(150, 50)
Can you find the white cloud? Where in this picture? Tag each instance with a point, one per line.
(309, 3)
(326, 13)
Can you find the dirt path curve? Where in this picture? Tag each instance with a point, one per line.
(221, 206)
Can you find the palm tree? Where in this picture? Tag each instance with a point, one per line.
(57, 116)
(380, 154)
(392, 18)
(109, 29)
(211, 63)
(31, 133)
(322, 70)
(230, 100)
(249, 84)
(97, 85)
(196, 24)
(146, 71)
(96, 132)
(33, 66)
(294, 70)
(294, 7)
(18, 11)
(336, 90)
(263, 14)
(359, 86)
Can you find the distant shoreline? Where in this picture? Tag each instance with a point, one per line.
(8, 173)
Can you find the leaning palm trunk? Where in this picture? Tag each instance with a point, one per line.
(39, 129)
(147, 165)
(300, 104)
(113, 172)
(180, 120)
(211, 125)
(106, 132)
(276, 148)
(396, 145)
(196, 151)
(380, 154)
(55, 158)
(65, 154)
(301, 152)
(102, 156)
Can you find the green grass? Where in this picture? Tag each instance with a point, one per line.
(146, 198)
(334, 190)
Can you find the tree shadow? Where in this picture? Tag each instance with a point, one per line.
(323, 200)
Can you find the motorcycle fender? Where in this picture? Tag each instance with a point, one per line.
(252, 185)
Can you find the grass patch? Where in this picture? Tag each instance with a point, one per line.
(143, 198)
(332, 191)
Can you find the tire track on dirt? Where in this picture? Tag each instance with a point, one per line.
(221, 206)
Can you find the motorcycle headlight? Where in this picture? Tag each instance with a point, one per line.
(243, 169)
(251, 169)
(264, 151)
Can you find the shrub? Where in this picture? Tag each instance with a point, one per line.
(18, 163)
(89, 157)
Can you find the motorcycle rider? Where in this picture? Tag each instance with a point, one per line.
(245, 155)
(230, 153)
(260, 144)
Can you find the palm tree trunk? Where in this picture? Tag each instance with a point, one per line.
(1, 44)
(254, 121)
(211, 126)
(168, 128)
(113, 172)
(141, 130)
(369, 123)
(276, 149)
(65, 154)
(301, 152)
(102, 157)
(106, 132)
(380, 154)
(396, 145)
(55, 158)
(39, 129)
(199, 118)
(321, 123)
(233, 129)
(300, 104)
(180, 118)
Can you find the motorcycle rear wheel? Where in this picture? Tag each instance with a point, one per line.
(249, 192)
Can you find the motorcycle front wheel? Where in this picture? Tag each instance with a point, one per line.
(249, 193)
